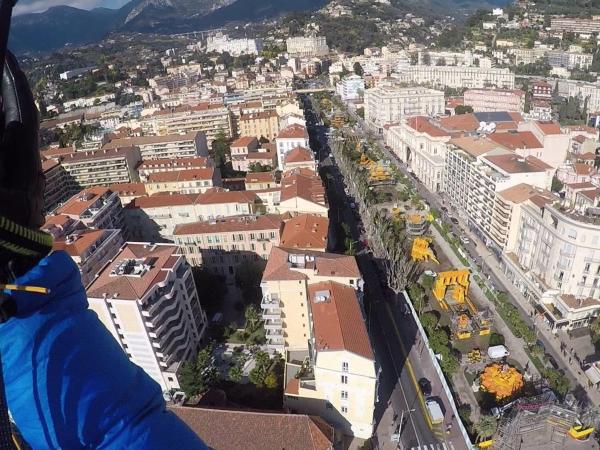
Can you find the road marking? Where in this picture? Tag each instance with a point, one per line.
(410, 369)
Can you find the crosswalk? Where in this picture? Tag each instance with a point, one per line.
(436, 446)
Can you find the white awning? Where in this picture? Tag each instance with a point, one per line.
(593, 374)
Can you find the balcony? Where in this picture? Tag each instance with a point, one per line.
(274, 333)
(273, 324)
(269, 302)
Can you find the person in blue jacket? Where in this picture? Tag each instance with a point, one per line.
(68, 383)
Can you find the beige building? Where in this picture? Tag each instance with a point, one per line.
(128, 191)
(260, 124)
(302, 192)
(484, 100)
(389, 103)
(457, 76)
(150, 166)
(57, 185)
(265, 156)
(244, 145)
(222, 245)
(300, 157)
(301, 46)
(288, 139)
(165, 147)
(147, 299)
(102, 167)
(256, 181)
(90, 249)
(190, 181)
(96, 207)
(340, 381)
(154, 218)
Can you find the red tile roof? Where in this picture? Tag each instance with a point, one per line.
(244, 141)
(97, 154)
(461, 122)
(303, 183)
(77, 243)
(583, 169)
(512, 163)
(129, 189)
(260, 177)
(306, 231)
(337, 319)
(231, 224)
(549, 127)
(423, 125)
(181, 175)
(323, 264)
(298, 154)
(513, 141)
(194, 162)
(80, 202)
(147, 140)
(49, 164)
(294, 131)
(259, 115)
(253, 430)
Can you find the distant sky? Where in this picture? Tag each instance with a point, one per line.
(36, 6)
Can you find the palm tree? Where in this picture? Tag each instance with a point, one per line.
(486, 427)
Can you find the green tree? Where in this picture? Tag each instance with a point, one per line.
(450, 362)
(429, 321)
(438, 340)
(417, 296)
(258, 167)
(271, 381)
(252, 317)
(557, 185)
(496, 339)
(595, 330)
(557, 381)
(426, 59)
(221, 151)
(441, 61)
(358, 70)
(258, 375)
(485, 428)
(196, 377)
(235, 374)
(462, 109)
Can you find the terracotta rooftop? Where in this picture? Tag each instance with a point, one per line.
(460, 122)
(303, 183)
(148, 140)
(513, 141)
(298, 154)
(590, 194)
(129, 189)
(244, 141)
(584, 185)
(194, 162)
(175, 176)
(521, 192)
(253, 430)
(49, 164)
(96, 154)
(583, 169)
(80, 202)
(259, 115)
(572, 302)
(475, 146)
(306, 231)
(423, 125)
(293, 131)
(76, 244)
(549, 127)
(581, 128)
(580, 138)
(231, 224)
(57, 152)
(157, 261)
(217, 196)
(261, 156)
(211, 196)
(323, 264)
(588, 156)
(337, 320)
(512, 163)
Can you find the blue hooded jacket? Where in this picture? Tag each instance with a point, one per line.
(68, 383)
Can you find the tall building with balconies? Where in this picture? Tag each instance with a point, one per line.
(96, 207)
(147, 299)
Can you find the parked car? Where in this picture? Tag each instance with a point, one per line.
(464, 239)
(454, 220)
(425, 386)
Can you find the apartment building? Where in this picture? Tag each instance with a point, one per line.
(556, 262)
(128, 191)
(189, 181)
(222, 245)
(150, 166)
(308, 46)
(155, 217)
(302, 192)
(288, 139)
(457, 76)
(506, 214)
(265, 156)
(212, 119)
(341, 382)
(306, 232)
(389, 103)
(244, 145)
(421, 143)
(581, 89)
(285, 284)
(483, 100)
(259, 124)
(102, 167)
(256, 181)
(96, 207)
(554, 144)
(350, 87)
(298, 158)
(147, 299)
(574, 25)
(570, 60)
(187, 145)
(57, 188)
(222, 43)
(477, 168)
(90, 249)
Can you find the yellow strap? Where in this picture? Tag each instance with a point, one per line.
(34, 289)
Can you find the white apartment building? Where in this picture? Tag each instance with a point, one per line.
(477, 169)
(340, 384)
(288, 139)
(422, 145)
(388, 103)
(150, 166)
(350, 87)
(96, 207)
(222, 43)
(222, 245)
(165, 147)
(583, 90)
(102, 167)
(484, 100)
(307, 46)
(575, 25)
(155, 217)
(211, 119)
(147, 299)
(556, 263)
(457, 76)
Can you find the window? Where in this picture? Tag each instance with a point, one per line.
(587, 267)
(344, 409)
(344, 367)
(344, 379)
(344, 395)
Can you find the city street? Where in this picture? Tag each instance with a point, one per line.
(401, 407)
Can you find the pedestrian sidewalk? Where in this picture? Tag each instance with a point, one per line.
(554, 341)
(514, 344)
